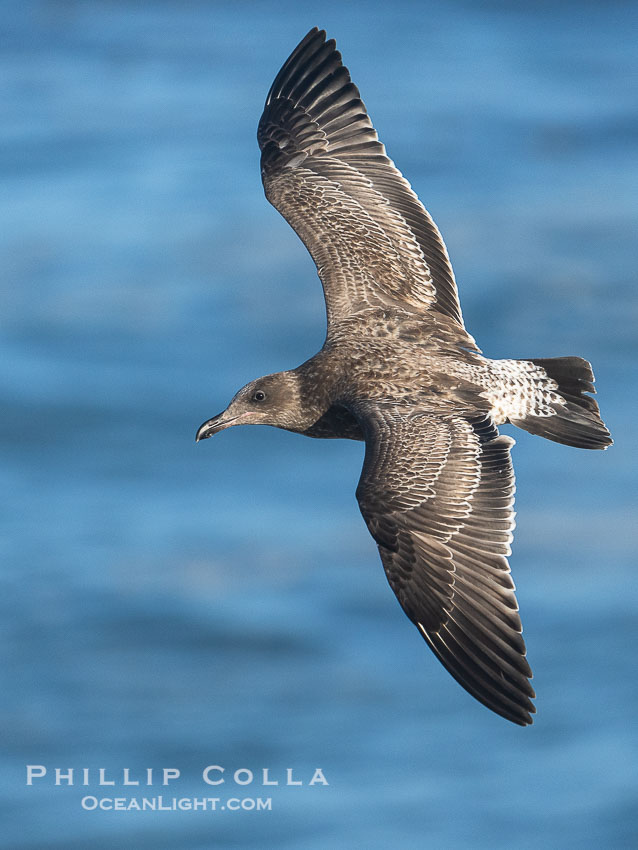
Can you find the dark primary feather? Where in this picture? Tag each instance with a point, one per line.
(326, 172)
(437, 495)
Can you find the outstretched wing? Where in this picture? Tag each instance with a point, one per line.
(437, 496)
(326, 172)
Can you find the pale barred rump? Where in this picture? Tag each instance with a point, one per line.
(520, 388)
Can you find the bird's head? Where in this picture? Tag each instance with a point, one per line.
(272, 400)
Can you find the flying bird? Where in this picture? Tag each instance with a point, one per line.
(399, 370)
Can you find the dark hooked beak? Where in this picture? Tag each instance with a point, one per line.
(213, 426)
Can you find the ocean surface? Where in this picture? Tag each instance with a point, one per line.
(171, 605)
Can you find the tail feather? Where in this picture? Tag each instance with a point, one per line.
(576, 421)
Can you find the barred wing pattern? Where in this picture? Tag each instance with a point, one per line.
(326, 172)
(437, 495)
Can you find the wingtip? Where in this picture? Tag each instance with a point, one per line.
(313, 34)
(522, 716)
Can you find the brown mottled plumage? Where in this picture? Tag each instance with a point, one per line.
(399, 370)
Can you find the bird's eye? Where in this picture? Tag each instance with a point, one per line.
(259, 395)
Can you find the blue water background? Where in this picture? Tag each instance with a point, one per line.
(164, 604)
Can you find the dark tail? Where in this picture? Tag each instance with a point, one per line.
(577, 422)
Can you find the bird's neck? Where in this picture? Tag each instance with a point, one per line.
(315, 385)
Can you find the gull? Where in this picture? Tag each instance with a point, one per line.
(399, 371)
